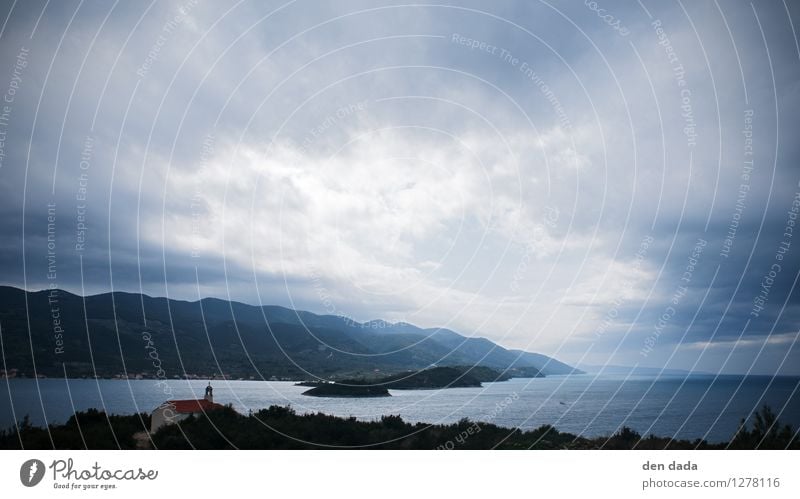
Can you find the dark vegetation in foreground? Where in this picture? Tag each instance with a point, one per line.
(281, 428)
(91, 429)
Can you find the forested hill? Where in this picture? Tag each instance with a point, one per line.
(136, 334)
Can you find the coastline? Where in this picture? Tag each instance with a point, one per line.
(280, 427)
(560, 401)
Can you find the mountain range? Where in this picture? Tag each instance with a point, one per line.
(57, 333)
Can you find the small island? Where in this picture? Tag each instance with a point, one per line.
(433, 378)
(345, 390)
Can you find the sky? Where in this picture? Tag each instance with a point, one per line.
(604, 182)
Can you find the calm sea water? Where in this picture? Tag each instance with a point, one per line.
(684, 407)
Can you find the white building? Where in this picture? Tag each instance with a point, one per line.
(173, 411)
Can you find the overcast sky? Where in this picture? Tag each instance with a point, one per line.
(605, 182)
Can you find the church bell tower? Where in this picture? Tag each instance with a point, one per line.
(209, 393)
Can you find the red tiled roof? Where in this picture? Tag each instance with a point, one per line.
(191, 406)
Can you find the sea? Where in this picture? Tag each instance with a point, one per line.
(685, 407)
